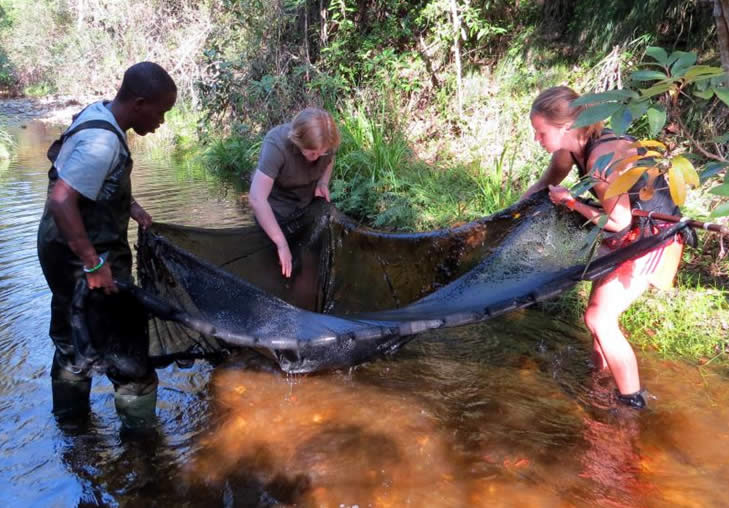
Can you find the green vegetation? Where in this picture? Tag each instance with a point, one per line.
(692, 321)
(177, 136)
(674, 324)
(654, 93)
(81, 47)
(381, 181)
(432, 98)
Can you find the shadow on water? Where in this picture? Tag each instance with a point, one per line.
(502, 413)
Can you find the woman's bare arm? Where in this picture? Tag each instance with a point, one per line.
(558, 169)
(258, 199)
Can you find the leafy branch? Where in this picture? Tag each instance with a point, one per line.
(658, 92)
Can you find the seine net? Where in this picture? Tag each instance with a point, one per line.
(356, 292)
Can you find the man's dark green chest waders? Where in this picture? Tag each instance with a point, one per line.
(117, 327)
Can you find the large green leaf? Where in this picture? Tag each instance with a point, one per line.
(704, 94)
(609, 96)
(720, 190)
(656, 119)
(596, 113)
(647, 75)
(723, 94)
(602, 162)
(657, 54)
(584, 184)
(638, 108)
(657, 89)
(702, 72)
(673, 57)
(705, 79)
(720, 211)
(620, 120)
(682, 64)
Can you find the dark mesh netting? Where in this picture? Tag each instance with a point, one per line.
(355, 292)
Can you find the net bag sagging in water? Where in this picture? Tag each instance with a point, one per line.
(356, 292)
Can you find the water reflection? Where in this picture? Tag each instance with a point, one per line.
(325, 440)
(471, 418)
(504, 413)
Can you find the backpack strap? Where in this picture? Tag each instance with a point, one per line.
(606, 135)
(55, 147)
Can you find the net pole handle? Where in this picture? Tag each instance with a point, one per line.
(708, 226)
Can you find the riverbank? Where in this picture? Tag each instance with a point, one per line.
(52, 110)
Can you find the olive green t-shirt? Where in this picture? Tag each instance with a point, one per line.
(294, 177)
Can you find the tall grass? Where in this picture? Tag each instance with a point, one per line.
(381, 181)
(372, 168)
(500, 184)
(371, 146)
(235, 155)
(676, 324)
(690, 322)
(177, 137)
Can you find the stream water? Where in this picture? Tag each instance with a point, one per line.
(504, 413)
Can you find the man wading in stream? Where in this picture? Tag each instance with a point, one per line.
(83, 237)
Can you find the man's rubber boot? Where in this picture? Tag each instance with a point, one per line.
(634, 400)
(70, 390)
(70, 397)
(136, 412)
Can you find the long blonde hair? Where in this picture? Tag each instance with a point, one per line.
(555, 105)
(314, 128)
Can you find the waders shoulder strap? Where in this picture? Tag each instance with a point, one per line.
(55, 147)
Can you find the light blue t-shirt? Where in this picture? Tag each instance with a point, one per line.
(87, 157)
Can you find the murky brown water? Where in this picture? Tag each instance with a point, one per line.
(506, 413)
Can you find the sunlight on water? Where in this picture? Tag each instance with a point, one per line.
(334, 440)
(462, 421)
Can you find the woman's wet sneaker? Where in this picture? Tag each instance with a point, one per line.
(633, 400)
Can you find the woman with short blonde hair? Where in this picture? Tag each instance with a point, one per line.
(312, 128)
(294, 167)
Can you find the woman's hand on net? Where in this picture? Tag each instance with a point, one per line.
(284, 258)
(559, 195)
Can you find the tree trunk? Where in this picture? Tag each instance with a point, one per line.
(80, 14)
(323, 33)
(721, 16)
(306, 40)
(555, 16)
(457, 54)
(425, 54)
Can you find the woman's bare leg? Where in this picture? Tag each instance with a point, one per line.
(598, 357)
(609, 298)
